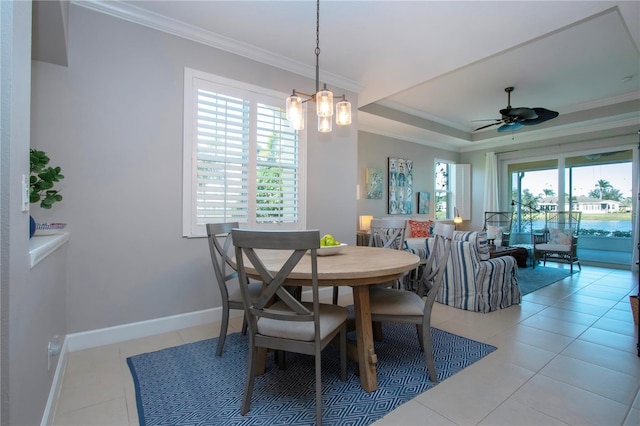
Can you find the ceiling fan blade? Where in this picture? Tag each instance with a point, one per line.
(521, 113)
(543, 115)
(510, 127)
(488, 125)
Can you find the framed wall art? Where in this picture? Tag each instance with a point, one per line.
(424, 201)
(374, 184)
(400, 186)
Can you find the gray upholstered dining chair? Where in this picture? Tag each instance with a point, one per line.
(386, 233)
(288, 324)
(220, 248)
(405, 306)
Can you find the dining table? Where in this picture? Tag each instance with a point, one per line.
(357, 267)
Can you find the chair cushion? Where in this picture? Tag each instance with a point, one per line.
(561, 237)
(420, 229)
(331, 317)
(494, 232)
(389, 301)
(553, 247)
(255, 288)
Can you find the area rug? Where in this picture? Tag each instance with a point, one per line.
(189, 385)
(532, 279)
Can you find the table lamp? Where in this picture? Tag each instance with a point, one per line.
(457, 220)
(365, 223)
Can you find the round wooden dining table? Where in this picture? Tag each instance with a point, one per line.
(356, 267)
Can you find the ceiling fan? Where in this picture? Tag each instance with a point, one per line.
(516, 118)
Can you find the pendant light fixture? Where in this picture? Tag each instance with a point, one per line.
(296, 111)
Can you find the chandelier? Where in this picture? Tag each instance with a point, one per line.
(296, 111)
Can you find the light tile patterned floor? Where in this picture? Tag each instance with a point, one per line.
(567, 355)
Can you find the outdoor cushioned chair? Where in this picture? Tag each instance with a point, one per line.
(472, 280)
(287, 325)
(559, 240)
(414, 307)
(497, 225)
(220, 247)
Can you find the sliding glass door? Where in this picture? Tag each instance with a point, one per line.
(597, 184)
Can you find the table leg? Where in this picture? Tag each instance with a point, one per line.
(366, 354)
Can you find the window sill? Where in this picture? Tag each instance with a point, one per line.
(41, 247)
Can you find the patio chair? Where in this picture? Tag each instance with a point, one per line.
(394, 305)
(497, 225)
(287, 325)
(559, 240)
(219, 236)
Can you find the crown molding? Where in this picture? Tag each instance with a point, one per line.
(162, 23)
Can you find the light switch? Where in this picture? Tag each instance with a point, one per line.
(25, 193)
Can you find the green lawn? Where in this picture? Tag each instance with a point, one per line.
(607, 216)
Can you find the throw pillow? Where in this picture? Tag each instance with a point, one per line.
(420, 229)
(561, 237)
(494, 232)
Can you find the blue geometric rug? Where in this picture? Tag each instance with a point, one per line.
(189, 385)
(532, 279)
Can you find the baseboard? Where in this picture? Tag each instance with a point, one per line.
(56, 387)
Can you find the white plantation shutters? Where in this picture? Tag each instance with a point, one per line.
(222, 192)
(277, 167)
(241, 158)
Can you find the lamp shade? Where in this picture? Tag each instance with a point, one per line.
(457, 219)
(343, 113)
(324, 124)
(324, 103)
(365, 222)
(295, 112)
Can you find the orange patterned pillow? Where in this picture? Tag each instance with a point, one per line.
(420, 229)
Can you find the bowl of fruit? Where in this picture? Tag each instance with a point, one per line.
(329, 246)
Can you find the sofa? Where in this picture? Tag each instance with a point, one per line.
(472, 280)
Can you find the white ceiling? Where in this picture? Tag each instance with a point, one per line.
(425, 70)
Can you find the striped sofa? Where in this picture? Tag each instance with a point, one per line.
(475, 282)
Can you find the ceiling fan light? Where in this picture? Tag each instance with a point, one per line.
(324, 102)
(343, 113)
(510, 127)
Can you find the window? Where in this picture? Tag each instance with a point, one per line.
(452, 190)
(443, 193)
(241, 160)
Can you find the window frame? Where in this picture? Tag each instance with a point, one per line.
(195, 80)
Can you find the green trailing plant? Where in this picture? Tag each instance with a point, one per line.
(42, 180)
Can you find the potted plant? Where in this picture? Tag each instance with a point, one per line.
(41, 182)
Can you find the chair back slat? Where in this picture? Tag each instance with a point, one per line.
(436, 264)
(219, 252)
(388, 233)
(248, 246)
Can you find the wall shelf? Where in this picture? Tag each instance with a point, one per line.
(41, 247)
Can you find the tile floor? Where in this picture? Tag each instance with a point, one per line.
(566, 356)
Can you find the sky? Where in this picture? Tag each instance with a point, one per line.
(584, 179)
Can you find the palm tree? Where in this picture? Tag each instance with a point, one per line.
(603, 185)
(548, 192)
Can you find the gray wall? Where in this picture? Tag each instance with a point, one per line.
(32, 300)
(112, 120)
(374, 151)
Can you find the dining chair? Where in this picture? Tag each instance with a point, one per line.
(220, 248)
(286, 324)
(414, 307)
(386, 233)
